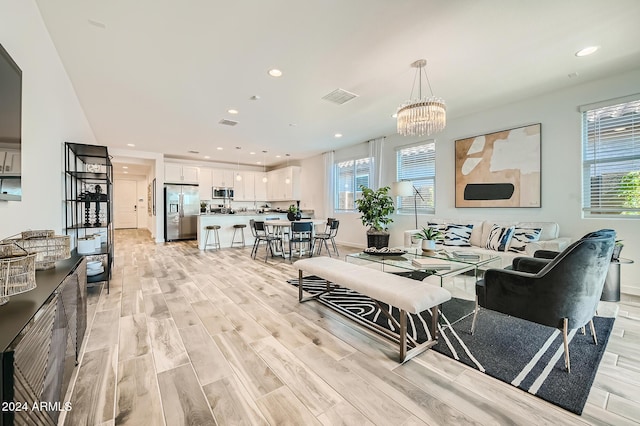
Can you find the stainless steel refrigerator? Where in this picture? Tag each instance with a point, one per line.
(181, 206)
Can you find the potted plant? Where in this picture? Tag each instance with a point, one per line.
(428, 236)
(617, 248)
(203, 207)
(376, 206)
(294, 213)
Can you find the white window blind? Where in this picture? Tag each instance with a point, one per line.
(349, 176)
(611, 160)
(417, 164)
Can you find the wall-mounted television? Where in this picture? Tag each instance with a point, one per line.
(10, 128)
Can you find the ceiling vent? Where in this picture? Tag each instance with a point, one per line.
(227, 122)
(339, 96)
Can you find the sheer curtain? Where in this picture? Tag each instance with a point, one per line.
(375, 152)
(328, 158)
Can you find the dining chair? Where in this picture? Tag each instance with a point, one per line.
(301, 234)
(261, 234)
(328, 235)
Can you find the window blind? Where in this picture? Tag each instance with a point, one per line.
(350, 175)
(417, 164)
(611, 160)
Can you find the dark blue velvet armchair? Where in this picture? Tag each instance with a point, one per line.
(562, 292)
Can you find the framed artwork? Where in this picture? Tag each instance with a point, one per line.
(500, 169)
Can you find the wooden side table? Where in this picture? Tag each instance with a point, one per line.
(611, 290)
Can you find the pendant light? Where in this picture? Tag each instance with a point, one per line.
(264, 166)
(238, 175)
(287, 180)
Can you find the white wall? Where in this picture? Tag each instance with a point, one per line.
(561, 168)
(51, 115)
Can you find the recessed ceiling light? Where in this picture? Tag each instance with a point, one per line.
(125, 172)
(206, 157)
(587, 51)
(125, 167)
(131, 144)
(274, 72)
(252, 153)
(394, 115)
(258, 162)
(232, 111)
(219, 148)
(278, 156)
(337, 135)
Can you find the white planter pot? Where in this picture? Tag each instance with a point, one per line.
(428, 244)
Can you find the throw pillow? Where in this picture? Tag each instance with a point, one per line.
(458, 235)
(499, 237)
(523, 236)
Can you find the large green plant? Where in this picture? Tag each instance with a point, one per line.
(375, 206)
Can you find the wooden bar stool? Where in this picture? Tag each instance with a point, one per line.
(241, 227)
(216, 237)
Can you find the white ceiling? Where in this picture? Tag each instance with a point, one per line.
(162, 74)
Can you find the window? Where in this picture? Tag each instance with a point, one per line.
(418, 164)
(350, 175)
(611, 160)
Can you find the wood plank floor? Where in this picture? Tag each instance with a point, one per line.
(187, 337)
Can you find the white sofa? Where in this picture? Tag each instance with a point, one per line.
(549, 237)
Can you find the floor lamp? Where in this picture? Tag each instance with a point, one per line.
(405, 188)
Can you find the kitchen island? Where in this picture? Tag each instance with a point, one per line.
(226, 222)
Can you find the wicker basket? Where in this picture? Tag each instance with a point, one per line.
(47, 247)
(17, 274)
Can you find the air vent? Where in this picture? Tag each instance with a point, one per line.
(339, 96)
(227, 122)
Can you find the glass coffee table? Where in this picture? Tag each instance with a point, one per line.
(440, 267)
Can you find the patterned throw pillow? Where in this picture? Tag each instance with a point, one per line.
(523, 236)
(499, 237)
(458, 235)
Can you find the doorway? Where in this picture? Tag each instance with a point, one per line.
(125, 205)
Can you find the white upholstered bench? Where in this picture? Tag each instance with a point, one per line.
(406, 294)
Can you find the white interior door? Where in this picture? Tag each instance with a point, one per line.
(125, 195)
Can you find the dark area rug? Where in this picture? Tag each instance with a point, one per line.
(521, 353)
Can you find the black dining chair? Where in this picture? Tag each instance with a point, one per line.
(329, 235)
(301, 234)
(261, 234)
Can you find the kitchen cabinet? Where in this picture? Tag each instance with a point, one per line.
(223, 178)
(260, 186)
(205, 183)
(244, 190)
(10, 162)
(179, 173)
(284, 184)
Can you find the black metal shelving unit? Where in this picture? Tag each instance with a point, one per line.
(88, 209)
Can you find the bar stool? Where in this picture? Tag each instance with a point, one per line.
(216, 237)
(241, 227)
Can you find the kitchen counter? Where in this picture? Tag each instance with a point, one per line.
(226, 222)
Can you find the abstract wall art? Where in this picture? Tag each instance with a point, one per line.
(500, 169)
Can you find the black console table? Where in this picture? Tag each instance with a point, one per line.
(41, 332)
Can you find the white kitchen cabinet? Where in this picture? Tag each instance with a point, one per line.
(179, 173)
(223, 178)
(260, 186)
(205, 185)
(10, 162)
(284, 184)
(244, 190)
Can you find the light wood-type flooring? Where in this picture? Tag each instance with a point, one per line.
(204, 338)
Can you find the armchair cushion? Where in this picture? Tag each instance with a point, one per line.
(531, 265)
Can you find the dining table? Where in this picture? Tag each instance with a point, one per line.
(279, 226)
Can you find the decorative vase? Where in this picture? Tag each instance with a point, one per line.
(298, 215)
(428, 245)
(378, 240)
(291, 216)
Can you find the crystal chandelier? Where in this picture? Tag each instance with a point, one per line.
(424, 115)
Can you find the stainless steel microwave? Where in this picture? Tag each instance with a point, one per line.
(222, 193)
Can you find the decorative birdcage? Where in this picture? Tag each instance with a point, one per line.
(47, 246)
(17, 271)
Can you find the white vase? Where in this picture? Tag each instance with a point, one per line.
(428, 244)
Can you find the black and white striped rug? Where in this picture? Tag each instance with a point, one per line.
(521, 353)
